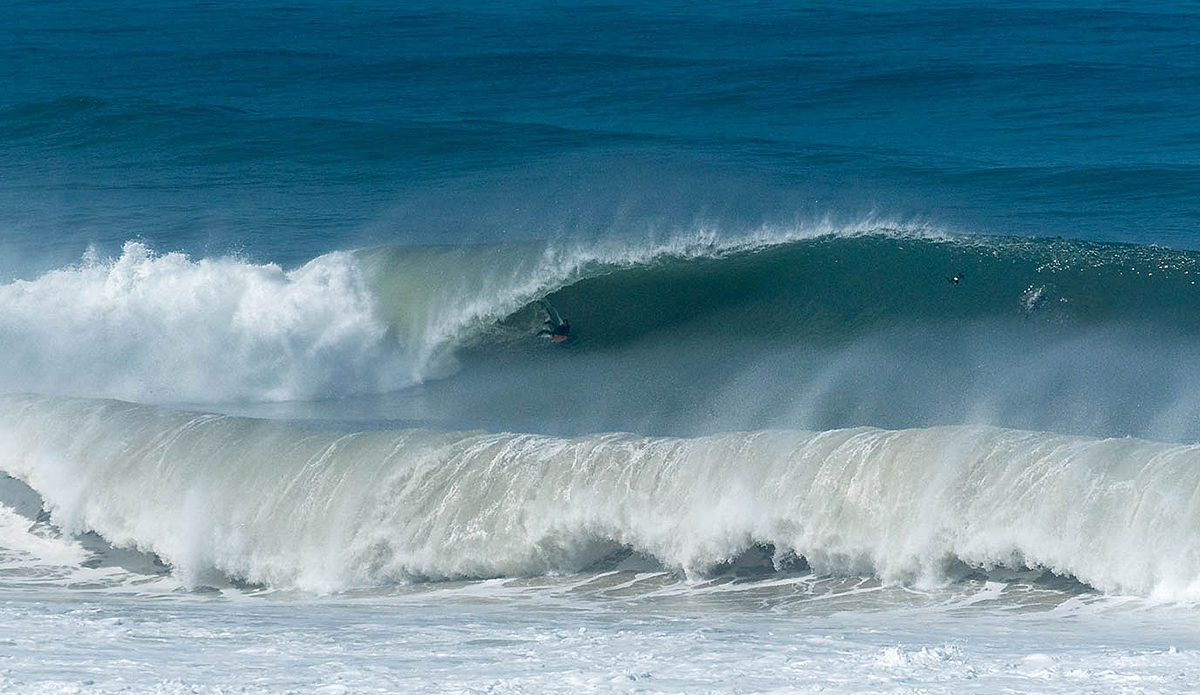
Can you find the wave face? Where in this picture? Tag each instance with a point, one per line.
(272, 503)
(167, 328)
(814, 328)
(872, 329)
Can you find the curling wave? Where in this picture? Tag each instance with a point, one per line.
(814, 328)
(287, 506)
(164, 327)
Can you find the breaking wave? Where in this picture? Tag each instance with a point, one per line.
(168, 328)
(165, 327)
(290, 506)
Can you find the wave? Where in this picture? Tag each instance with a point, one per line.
(817, 327)
(840, 285)
(210, 136)
(886, 330)
(167, 328)
(289, 506)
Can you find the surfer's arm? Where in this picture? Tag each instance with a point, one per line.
(554, 318)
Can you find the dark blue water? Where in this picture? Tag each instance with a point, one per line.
(284, 130)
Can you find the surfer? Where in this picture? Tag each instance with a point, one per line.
(955, 279)
(559, 332)
(557, 328)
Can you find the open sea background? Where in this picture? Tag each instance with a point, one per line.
(882, 377)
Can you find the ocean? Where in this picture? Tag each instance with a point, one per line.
(881, 371)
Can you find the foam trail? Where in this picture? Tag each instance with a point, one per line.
(290, 507)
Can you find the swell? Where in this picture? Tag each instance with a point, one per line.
(207, 136)
(840, 285)
(812, 327)
(287, 506)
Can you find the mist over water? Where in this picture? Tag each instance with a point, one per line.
(880, 375)
(429, 433)
(338, 511)
(795, 329)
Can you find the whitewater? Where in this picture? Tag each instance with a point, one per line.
(342, 511)
(374, 439)
(880, 374)
(165, 551)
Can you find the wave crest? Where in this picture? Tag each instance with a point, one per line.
(169, 328)
(292, 507)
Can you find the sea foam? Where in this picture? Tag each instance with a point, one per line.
(164, 327)
(287, 506)
(169, 328)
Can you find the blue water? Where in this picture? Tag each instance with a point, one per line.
(285, 130)
(884, 342)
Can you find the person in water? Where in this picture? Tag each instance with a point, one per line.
(560, 332)
(557, 328)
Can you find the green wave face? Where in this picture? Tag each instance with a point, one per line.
(831, 289)
(824, 332)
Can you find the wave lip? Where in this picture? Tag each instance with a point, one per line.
(270, 503)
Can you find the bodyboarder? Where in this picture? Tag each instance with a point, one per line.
(557, 328)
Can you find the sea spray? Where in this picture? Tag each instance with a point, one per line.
(292, 506)
(818, 327)
(164, 327)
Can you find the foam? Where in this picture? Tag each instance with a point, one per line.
(292, 507)
(168, 328)
(164, 327)
(26, 543)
